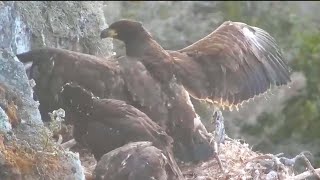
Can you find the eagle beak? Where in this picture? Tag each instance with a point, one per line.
(108, 33)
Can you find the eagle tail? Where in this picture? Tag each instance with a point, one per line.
(41, 54)
(28, 56)
(25, 57)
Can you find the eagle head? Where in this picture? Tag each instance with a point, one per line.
(125, 30)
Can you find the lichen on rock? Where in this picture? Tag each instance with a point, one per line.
(29, 149)
(31, 152)
(5, 126)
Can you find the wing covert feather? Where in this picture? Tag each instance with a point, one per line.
(236, 62)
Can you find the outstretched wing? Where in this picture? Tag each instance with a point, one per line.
(233, 64)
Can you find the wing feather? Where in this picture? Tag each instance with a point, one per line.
(237, 62)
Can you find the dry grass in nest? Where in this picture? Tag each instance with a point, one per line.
(239, 162)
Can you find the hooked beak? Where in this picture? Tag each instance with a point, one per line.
(111, 33)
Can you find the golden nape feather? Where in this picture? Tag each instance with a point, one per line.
(232, 65)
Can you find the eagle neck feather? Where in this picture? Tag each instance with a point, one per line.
(156, 60)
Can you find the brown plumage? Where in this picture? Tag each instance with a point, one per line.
(106, 124)
(231, 65)
(139, 44)
(159, 63)
(52, 68)
(133, 161)
(125, 78)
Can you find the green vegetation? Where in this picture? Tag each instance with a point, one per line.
(302, 113)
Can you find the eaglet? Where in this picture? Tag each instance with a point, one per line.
(134, 161)
(106, 124)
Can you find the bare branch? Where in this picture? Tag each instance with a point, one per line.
(304, 175)
(69, 144)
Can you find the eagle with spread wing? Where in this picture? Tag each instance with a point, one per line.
(233, 64)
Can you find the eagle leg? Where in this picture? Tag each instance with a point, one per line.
(219, 135)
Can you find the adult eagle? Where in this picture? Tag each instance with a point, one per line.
(126, 79)
(106, 124)
(233, 64)
(134, 161)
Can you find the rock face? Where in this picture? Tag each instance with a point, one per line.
(25, 147)
(27, 150)
(68, 25)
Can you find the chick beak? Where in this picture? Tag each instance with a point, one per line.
(108, 33)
